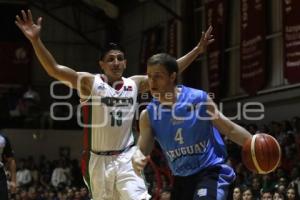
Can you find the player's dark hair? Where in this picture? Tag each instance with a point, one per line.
(108, 47)
(165, 60)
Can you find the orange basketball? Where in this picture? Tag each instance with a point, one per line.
(261, 154)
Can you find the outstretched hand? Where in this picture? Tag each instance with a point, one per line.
(27, 26)
(206, 39)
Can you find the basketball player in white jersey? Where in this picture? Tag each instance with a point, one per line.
(109, 105)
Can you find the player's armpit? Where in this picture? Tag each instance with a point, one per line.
(142, 82)
(85, 84)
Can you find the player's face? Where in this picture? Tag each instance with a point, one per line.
(160, 81)
(113, 65)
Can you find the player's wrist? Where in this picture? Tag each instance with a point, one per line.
(198, 49)
(35, 40)
(139, 154)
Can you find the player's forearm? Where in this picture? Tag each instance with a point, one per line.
(238, 134)
(44, 56)
(188, 58)
(145, 146)
(231, 130)
(146, 150)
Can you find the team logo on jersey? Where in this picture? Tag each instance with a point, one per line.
(128, 88)
(101, 87)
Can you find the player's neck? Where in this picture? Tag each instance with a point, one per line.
(170, 98)
(113, 82)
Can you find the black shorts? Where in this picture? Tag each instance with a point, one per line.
(209, 184)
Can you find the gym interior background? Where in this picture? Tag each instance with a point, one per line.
(255, 58)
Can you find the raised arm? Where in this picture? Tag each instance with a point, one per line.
(187, 59)
(32, 31)
(183, 62)
(144, 145)
(231, 130)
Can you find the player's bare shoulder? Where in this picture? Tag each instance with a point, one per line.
(85, 83)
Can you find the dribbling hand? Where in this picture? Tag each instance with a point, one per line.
(139, 161)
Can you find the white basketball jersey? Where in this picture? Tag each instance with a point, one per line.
(110, 115)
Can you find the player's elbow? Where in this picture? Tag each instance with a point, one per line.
(52, 71)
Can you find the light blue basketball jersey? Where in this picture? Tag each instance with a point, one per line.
(186, 134)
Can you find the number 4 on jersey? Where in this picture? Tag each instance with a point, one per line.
(178, 137)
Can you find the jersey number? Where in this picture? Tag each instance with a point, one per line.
(116, 118)
(178, 137)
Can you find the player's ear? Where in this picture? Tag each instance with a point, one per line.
(101, 64)
(125, 64)
(173, 76)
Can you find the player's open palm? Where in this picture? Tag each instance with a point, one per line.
(27, 26)
(206, 39)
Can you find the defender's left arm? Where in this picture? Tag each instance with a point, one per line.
(187, 59)
(183, 62)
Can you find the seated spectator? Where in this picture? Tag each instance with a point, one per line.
(77, 195)
(46, 172)
(32, 194)
(291, 194)
(278, 196)
(31, 95)
(59, 175)
(281, 188)
(266, 195)
(23, 174)
(295, 179)
(247, 194)
(70, 193)
(268, 184)
(237, 194)
(256, 187)
(84, 193)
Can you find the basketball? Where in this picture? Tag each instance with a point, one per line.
(261, 154)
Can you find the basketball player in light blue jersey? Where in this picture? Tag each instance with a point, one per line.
(186, 123)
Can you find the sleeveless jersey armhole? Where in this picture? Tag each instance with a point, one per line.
(97, 79)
